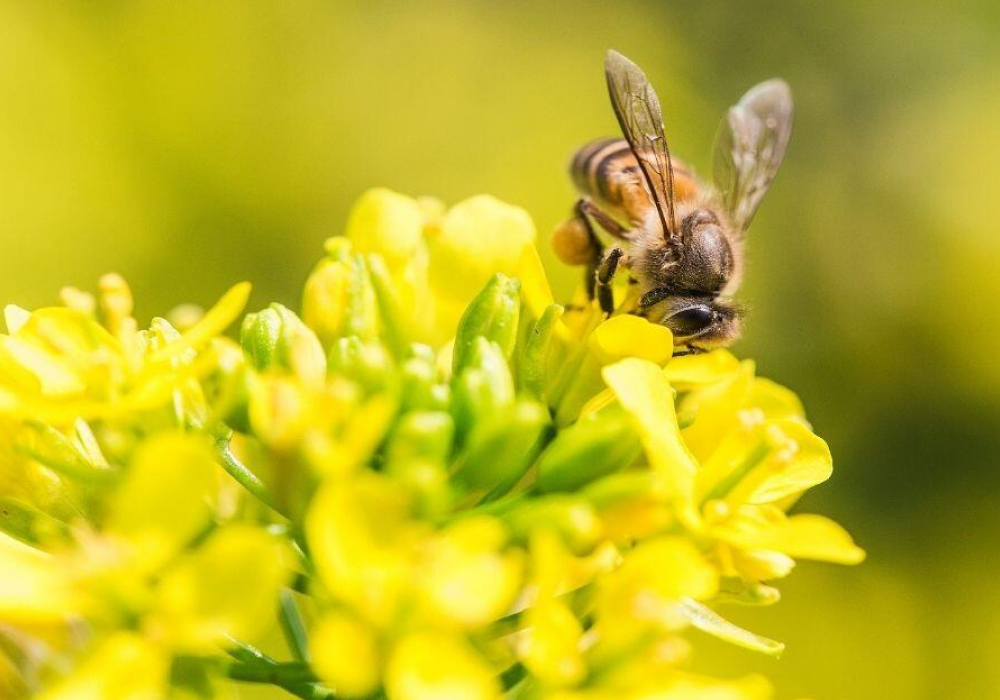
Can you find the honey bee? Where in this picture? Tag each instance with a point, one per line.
(683, 242)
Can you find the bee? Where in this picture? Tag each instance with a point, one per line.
(683, 241)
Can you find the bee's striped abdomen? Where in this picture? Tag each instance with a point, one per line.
(606, 171)
(595, 158)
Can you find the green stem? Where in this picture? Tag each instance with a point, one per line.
(273, 673)
(293, 627)
(254, 666)
(244, 477)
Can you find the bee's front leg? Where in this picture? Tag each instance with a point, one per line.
(689, 350)
(603, 277)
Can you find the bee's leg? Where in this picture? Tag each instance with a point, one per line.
(582, 213)
(603, 276)
(689, 350)
(588, 210)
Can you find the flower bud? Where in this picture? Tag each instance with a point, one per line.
(493, 314)
(396, 329)
(598, 444)
(368, 364)
(422, 435)
(277, 338)
(532, 362)
(502, 446)
(420, 387)
(570, 516)
(338, 299)
(482, 387)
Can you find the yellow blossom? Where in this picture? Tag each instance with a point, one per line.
(437, 666)
(440, 484)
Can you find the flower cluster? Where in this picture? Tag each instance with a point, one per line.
(434, 480)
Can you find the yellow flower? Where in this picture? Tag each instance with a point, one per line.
(346, 654)
(479, 495)
(364, 541)
(468, 579)
(436, 666)
(550, 645)
(125, 667)
(438, 262)
(60, 363)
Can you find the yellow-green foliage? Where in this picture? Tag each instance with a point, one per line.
(440, 484)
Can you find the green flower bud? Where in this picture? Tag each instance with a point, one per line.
(532, 362)
(417, 455)
(492, 314)
(427, 435)
(368, 364)
(502, 447)
(482, 387)
(277, 338)
(598, 444)
(570, 516)
(338, 299)
(397, 331)
(421, 388)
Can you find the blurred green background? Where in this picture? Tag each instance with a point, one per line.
(189, 145)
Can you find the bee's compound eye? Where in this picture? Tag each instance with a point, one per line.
(691, 320)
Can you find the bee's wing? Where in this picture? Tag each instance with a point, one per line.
(641, 121)
(749, 147)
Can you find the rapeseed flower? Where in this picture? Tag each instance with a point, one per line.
(434, 480)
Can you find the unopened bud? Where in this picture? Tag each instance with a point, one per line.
(338, 299)
(492, 314)
(367, 364)
(598, 444)
(277, 338)
(482, 387)
(502, 446)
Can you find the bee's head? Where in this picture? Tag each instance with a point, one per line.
(701, 322)
(705, 261)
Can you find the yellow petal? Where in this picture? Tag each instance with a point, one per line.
(53, 375)
(33, 585)
(124, 667)
(632, 336)
(476, 239)
(15, 317)
(469, 580)
(363, 543)
(165, 498)
(808, 536)
(225, 589)
(345, 654)
(799, 460)
(549, 646)
(685, 686)
(717, 409)
(694, 371)
(644, 392)
(534, 283)
(214, 322)
(435, 666)
(774, 400)
(386, 223)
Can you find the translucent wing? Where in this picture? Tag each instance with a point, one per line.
(749, 148)
(641, 121)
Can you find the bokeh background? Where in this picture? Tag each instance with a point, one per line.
(189, 145)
